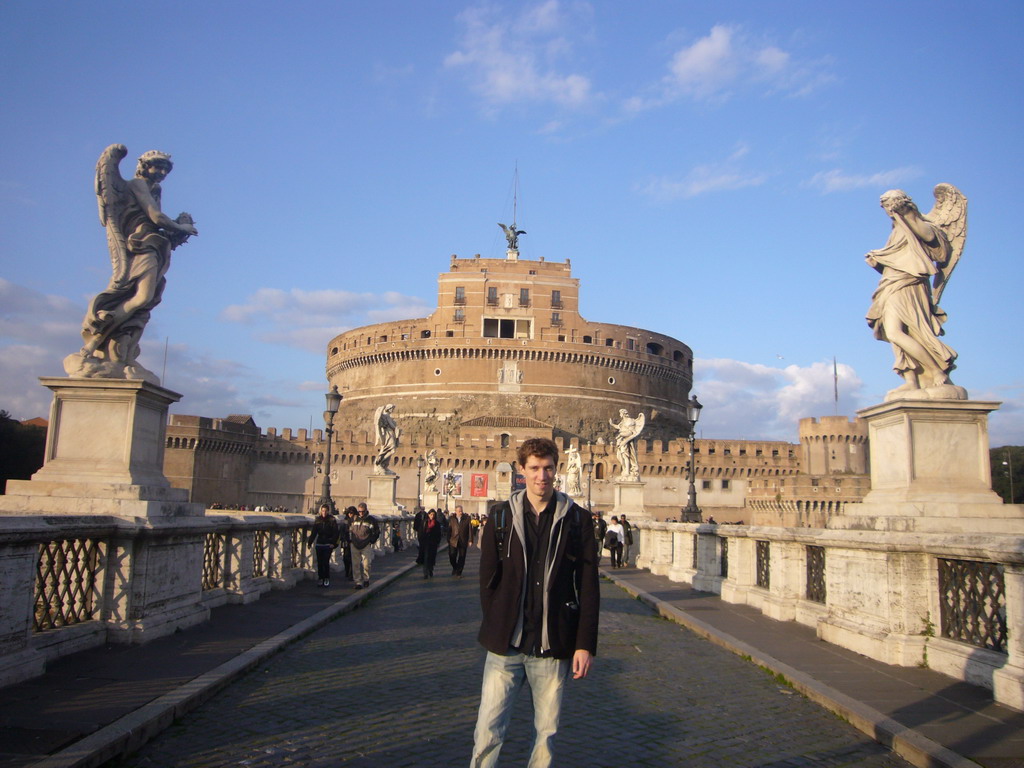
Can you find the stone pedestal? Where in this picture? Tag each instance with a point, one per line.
(930, 471)
(430, 499)
(629, 498)
(104, 454)
(380, 494)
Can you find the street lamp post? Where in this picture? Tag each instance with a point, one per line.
(420, 463)
(589, 468)
(333, 403)
(691, 513)
(447, 490)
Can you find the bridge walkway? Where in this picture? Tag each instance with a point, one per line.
(390, 677)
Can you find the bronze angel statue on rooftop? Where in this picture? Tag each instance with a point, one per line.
(140, 238)
(512, 235)
(916, 264)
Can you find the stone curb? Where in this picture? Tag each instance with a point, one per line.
(912, 746)
(132, 731)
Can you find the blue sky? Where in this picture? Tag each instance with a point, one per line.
(711, 169)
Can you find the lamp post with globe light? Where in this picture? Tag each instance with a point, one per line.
(691, 513)
(333, 403)
(420, 463)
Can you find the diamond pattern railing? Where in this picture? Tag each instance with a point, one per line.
(214, 549)
(260, 541)
(816, 574)
(972, 599)
(67, 574)
(764, 564)
(301, 553)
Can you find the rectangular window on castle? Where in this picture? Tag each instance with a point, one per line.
(524, 297)
(492, 296)
(460, 315)
(556, 299)
(556, 319)
(460, 294)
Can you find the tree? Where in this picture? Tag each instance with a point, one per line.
(22, 447)
(1008, 472)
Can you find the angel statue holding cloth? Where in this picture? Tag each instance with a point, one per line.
(140, 238)
(916, 264)
(627, 432)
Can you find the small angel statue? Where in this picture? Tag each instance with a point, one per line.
(905, 307)
(433, 468)
(628, 431)
(512, 235)
(387, 438)
(140, 238)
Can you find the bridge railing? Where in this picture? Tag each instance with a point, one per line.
(69, 583)
(951, 602)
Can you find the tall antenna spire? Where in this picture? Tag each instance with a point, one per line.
(515, 196)
(512, 233)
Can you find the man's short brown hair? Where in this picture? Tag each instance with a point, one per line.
(540, 447)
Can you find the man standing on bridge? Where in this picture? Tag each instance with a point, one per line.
(364, 532)
(540, 596)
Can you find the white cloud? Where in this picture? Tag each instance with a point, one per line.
(309, 319)
(728, 60)
(711, 177)
(753, 401)
(520, 59)
(838, 181)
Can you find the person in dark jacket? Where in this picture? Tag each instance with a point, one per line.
(600, 529)
(363, 532)
(460, 531)
(324, 537)
(430, 537)
(540, 596)
(418, 522)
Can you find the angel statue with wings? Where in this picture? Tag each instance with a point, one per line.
(628, 430)
(387, 439)
(140, 238)
(433, 468)
(905, 307)
(512, 235)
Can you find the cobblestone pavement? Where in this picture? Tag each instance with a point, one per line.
(396, 684)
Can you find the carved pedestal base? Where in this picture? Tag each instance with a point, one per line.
(930, 471)
(104, 454)
(629, 498)
(380, 494)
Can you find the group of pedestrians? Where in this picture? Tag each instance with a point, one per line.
(616, 537)
(432, 526)
(355, 532)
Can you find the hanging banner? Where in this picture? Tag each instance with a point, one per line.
(478, 486)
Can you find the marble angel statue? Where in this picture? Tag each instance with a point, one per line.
(433, 467)
(386, 440)
(140, 238)
(573, 472)
(916, 263)
(627, 432)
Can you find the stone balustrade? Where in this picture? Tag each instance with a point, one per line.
(951, 602)
(72, 582)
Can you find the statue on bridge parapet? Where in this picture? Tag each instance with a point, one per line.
(387, 435)
(905, 307)
(628, 431)
(140, 238)
(433, 468)
(573, 472)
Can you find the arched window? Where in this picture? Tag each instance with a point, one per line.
(505, 439)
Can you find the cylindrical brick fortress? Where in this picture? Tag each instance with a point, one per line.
(507, 339)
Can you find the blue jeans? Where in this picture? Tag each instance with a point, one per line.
(503, 678)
